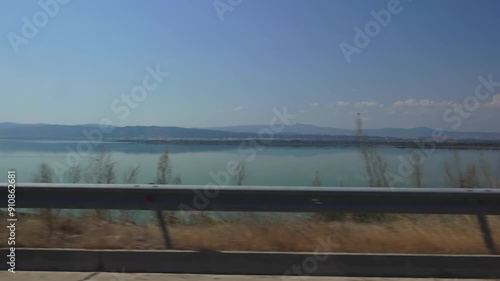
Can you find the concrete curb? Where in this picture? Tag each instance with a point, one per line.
(257, 263)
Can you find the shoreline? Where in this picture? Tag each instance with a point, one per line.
(402, 143)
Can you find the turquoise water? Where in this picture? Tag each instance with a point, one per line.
(271, 166)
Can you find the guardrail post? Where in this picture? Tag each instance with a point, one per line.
(486, 231)
(164, 229)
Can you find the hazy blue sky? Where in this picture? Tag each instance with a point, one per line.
(264, 54)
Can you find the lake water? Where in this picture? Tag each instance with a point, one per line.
(271, 166)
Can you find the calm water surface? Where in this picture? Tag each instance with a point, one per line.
(287, 166)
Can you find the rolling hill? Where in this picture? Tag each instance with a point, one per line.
(297, 131)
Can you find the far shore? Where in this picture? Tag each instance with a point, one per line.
(328, 142)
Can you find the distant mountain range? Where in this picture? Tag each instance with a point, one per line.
(305, 129)
(297, 131)
(45, 131)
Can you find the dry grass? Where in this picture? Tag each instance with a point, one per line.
(406, 234)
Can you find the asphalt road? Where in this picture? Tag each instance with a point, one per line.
(86, 276)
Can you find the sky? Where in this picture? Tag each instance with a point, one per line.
(235, 62)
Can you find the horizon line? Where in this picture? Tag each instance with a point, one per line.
(220, 128)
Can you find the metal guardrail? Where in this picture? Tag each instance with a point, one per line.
(258, 198)
(476, 201)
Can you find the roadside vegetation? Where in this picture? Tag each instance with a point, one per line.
(406, 234)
